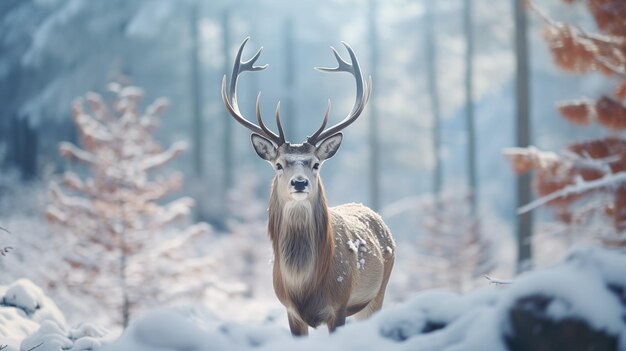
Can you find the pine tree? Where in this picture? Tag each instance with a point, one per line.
(454, 251)
(586, 183)
(112, 221)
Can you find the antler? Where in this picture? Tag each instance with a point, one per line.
(363, 90)
(230, 99)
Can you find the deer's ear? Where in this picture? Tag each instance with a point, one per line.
(263, 147)
(329, 147)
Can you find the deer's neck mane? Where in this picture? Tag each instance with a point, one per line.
(302, 238)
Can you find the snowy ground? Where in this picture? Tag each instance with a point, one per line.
(577, 304)
(242, 256)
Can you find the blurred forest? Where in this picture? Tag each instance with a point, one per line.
(455, 82)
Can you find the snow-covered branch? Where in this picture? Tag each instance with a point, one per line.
(157, 160)
(69, 150)
(525, 158)
(177, 242)
(497, 281)
(608, 181)
(75, 203)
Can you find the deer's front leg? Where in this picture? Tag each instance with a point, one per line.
(298, 326)
(338, 320)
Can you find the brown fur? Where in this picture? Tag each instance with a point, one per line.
(337, 276)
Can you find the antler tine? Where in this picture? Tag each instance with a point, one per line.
(313, 138)
(281, 132)
(343, 66)
(363, 90)
(368, 92)
(230, 98)
(259, 119)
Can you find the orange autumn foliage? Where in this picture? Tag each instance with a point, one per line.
(577, 51)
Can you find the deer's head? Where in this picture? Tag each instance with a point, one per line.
(296, 165)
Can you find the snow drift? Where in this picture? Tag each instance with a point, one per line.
(579, 304)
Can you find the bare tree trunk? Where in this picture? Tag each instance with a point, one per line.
(289, 105)
(524, 222)
(433, 89)
(23, 147)
(125, 301)
(125, 308)
(374, 161)
(197, 125)
(228, 154)
(469, 106)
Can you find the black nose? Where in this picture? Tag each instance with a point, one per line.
(299, 184)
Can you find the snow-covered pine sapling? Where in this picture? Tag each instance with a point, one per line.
(454, 251)
(113, 221)
(329, 263)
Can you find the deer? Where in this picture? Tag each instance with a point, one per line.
(329, 262)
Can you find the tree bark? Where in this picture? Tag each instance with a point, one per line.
(523, 133)
(197, 125)
(228, 154)
(472, 180)
(23, 147)
(433, 89)
(289, 106)
(197, 131)
(374, 161)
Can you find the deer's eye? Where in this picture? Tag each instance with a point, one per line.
(316, 166)
(279, 167)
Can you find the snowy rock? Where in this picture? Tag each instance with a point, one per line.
(533, 328)
(574, 306)
(29, 298)
(428, 312)
(29, 320)
(25, 295)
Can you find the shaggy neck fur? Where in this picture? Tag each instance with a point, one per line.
(302, 238)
